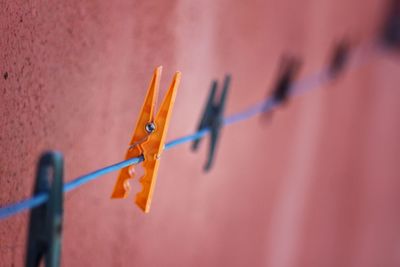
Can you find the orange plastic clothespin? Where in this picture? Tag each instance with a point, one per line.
(148, 141)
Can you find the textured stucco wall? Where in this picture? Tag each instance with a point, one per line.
(318, 186)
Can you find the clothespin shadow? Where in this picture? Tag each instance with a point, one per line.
(339, 59)
(289, 69)
(45, 226)
(391, 29)
(212, 119)
(148, 141)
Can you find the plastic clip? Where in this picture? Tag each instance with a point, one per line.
(391, 30)
(339, 59)
(45, 226)
(212, 119)
(148, 141)
(289, 69)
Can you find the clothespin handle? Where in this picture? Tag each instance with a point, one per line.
(45, 225)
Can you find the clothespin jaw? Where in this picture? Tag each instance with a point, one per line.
(391, 30)
(339, 58)
(289, 69)
(45, 225)
(212, 119)
(148, 141)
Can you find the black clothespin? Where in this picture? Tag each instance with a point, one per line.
(339, 58)
(391, 30)
(212, 118)
(289, 69)
(45, 226)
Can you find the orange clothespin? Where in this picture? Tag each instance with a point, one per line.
(148, 141)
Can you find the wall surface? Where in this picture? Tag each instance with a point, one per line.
(316, 186)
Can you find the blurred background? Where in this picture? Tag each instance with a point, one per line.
(317, 185)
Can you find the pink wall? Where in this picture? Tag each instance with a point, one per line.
(318, 186)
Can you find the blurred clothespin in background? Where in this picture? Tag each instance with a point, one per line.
(45, 225)
(212, 119)
(289, 69)
(391, 29)
(148, 141)
(339, 59)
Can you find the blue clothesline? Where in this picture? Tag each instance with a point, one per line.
(297, 88)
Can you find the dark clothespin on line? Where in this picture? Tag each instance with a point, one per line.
(391, 30)
(288, 72)
(45, 225)
(212, 119)
(339, 59)
(289, 69)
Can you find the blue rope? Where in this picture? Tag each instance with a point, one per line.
(42, 198)
(23, 205)
(298, 88)
(186, 139)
